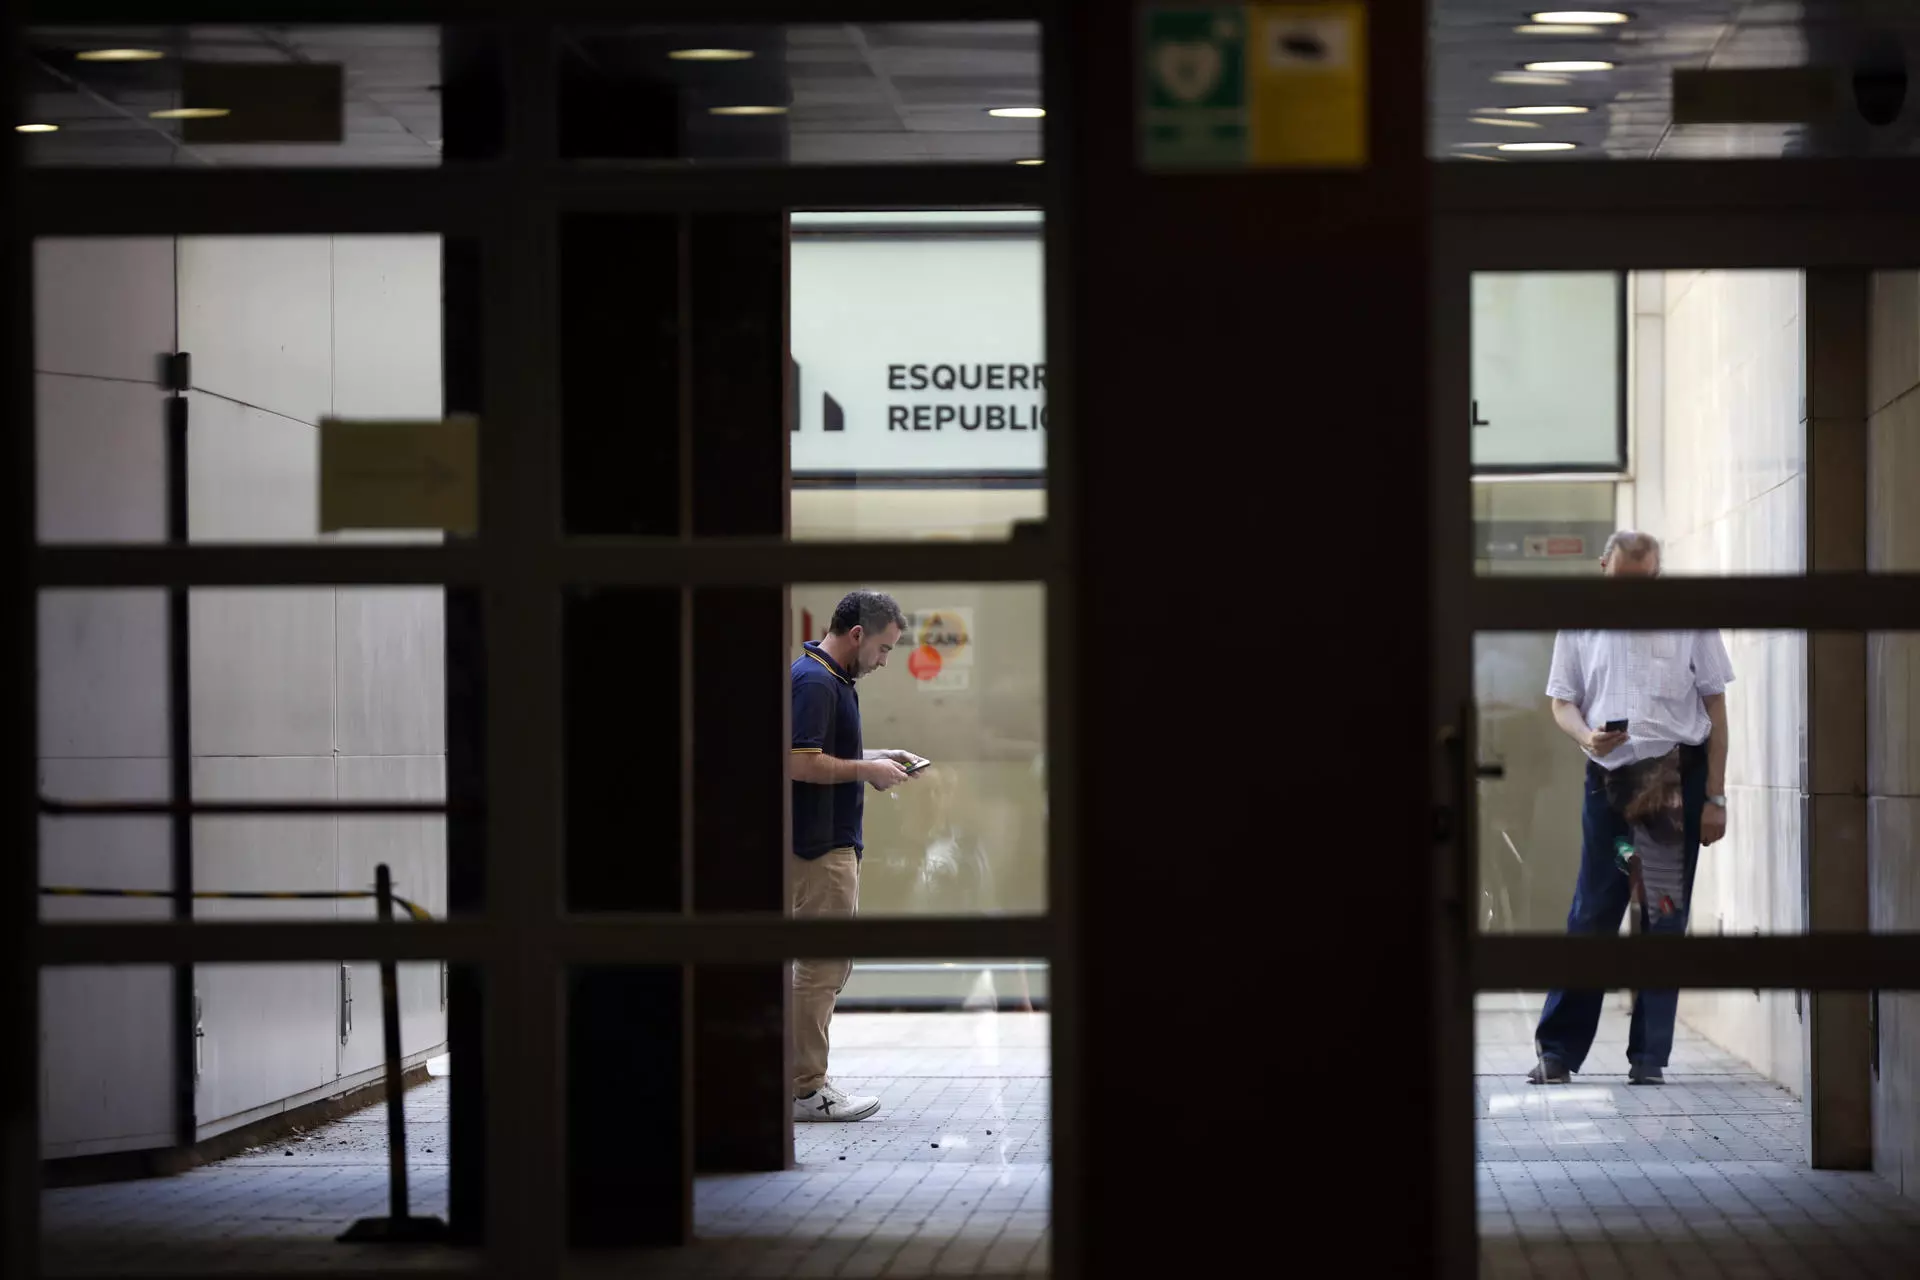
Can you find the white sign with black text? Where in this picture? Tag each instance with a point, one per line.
(1546, 370)
(919, 355)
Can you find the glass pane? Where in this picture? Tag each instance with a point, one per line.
(257, 96)
(1818, 782)
(919, 367)
(320, 696)
(852, 93)
(1666, 79)
(963, 686)
(1683, 397)
(1558, 828)
(1710, 1173)
(290, 1140)
(281, 334)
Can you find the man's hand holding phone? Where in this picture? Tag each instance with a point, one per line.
(1605, 741)
(888, 769)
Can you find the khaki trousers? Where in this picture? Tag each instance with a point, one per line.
(825, 886)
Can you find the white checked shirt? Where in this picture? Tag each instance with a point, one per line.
(1654, 680)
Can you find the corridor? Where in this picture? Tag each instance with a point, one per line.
(1704, 1176)
(952, 1178)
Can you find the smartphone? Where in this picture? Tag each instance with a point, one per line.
(1616, 726)
(916, 768)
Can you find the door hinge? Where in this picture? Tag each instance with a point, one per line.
(346, 1003)
(176, 371)
(199, 1038)
(443, 986)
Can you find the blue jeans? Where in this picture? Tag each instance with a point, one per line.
(1600, 900)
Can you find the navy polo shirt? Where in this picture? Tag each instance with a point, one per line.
(826, 718)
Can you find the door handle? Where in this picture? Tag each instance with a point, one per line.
(1491, 770)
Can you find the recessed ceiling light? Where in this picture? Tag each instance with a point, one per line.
(710, 55)
(1017, 113)
(36, 128)
(1573, 65)
(1032, 161)
(746, 111)
(1536, 146)
(119, 55)
(1602, 17)
(1557, 29)
(1547, 110)
(1507, 124)
(1522, 77)
(190, 113)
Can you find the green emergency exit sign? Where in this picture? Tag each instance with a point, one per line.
(1254, 86)
(1194, 113)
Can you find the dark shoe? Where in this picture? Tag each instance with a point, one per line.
(1637, 1074)
(1549, 1070)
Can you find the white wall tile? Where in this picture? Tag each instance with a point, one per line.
(1893, 458)
(386, 327)
(105, 853)
(271, 1033)
(271, 1029)
(263, 671)
(392, 671)
(1733, 501)
(264, 854)
(252, 476)
(101, 467)
(415, 849)
(256, 313)
(104, 306)
(106, 1071)
(103, 673)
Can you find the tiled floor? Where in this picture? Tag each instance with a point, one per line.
(1701, 1177)
(952, 1178)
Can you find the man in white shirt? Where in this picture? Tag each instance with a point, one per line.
(1669, 687)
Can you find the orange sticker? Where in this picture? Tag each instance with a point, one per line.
(924, 663)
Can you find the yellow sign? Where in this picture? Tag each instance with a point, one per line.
(1307, 85)
(400, 475)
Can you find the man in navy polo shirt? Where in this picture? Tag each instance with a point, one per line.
(829, 767)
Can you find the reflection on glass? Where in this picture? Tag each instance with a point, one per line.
(919, 374)
(1713, 1166)
(1585, 830)
(1680, 393)
(963, 687)
(852, 93)
(262, 96)
(282, 333)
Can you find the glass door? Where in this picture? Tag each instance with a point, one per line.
(1685, 960)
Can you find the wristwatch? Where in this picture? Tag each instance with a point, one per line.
(1717, 800)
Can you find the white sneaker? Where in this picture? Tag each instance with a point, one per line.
(829, 1104)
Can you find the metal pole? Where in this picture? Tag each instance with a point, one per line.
(399, 1226)
(396, 1092)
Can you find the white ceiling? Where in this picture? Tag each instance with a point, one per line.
(877, 93)
(1630, 117)
(919, 92)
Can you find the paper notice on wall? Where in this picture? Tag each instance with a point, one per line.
(939, 645)
(400, 474)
